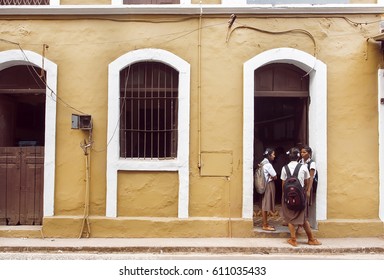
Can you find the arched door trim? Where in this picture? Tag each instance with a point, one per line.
(20, 57)
(317, 118)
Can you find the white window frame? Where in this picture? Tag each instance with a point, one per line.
(381, 141)
(114, 162)
(317, 119)
(17, 57)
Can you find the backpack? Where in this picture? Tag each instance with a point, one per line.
(259, 179)
(294, 196)
(316, 179)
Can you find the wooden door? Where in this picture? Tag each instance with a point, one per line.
(21, 185)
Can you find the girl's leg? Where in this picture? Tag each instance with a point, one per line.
(264, 215)
(311, 239)
(292, 231)
(266, 226)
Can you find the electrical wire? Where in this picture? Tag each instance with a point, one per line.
(31, 68)
(230, 31)
(297, 30)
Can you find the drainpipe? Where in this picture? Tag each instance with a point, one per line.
(199, 86)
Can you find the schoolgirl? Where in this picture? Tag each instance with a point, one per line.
(306, 158)
(268, 198)
(292, 217)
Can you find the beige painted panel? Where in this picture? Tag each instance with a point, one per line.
(216, 164)
(147, 194)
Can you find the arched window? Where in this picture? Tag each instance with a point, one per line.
(149, 109)
(148, 119)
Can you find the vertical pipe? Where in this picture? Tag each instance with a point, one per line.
(199, 86)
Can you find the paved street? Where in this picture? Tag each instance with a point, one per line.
(118, 256)
(193, 258)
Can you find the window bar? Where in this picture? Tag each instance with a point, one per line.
(127, 101)
(158, 115)
(151, 106)
(165, 111)
(138, 112)
(172, 120)
(131, 103)
(159, 86)
(145, 111)
(124, 114)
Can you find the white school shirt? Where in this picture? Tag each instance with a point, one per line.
(269, 171)
(311, 166)
(303, 172)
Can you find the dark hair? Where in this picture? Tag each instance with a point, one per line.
(294, 154)
(268, 152)
(308, 149)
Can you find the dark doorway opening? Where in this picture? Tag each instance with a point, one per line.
(22, 134)
(279, 124)
(280, 116)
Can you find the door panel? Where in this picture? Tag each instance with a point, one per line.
(13, 185)
(3, 186)
(33, 163)
(21, 185)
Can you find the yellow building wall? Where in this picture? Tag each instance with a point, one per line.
(83, 47)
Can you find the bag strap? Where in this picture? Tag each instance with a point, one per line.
(309, 165)
(297, 169)
(287, 171)
(295, 172)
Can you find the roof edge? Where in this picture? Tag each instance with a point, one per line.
(194, 9)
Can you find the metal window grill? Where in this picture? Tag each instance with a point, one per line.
(24, 2)
(149, 111)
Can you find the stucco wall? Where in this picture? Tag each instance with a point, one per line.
(83, 47)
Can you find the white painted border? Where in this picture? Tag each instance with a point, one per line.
(17, 57)
(317, 119)
(381, 142)
(114, 162)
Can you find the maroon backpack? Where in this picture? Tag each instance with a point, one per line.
(294, 196)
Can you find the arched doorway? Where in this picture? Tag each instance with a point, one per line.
(281, 117)
(317, 119)
(24, 58)
(22, 140)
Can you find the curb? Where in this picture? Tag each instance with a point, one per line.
(188, 250)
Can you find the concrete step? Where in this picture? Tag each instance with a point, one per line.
(21, 231)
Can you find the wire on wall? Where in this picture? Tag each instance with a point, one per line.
(297, 30)
(87, 147)
(41, 76)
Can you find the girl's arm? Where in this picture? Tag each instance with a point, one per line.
(310, 181)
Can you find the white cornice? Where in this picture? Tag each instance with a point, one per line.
(193, 9)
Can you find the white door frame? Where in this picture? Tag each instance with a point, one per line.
(23, 57)
(317, 117)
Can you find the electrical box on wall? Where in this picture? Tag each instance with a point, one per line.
(83, 122)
